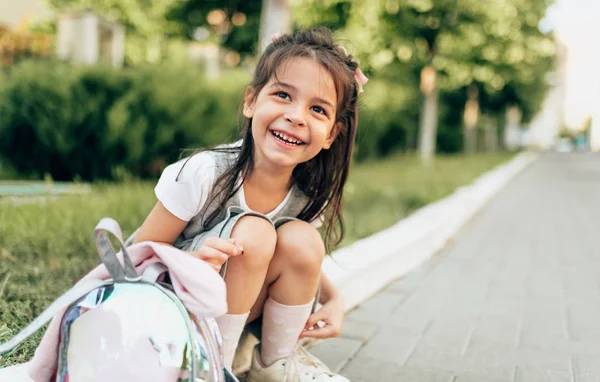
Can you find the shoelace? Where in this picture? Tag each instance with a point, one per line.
(299, 357)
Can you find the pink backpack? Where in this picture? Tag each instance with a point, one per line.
(144, 315)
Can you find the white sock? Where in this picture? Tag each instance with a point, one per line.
(281, 328)
(231, 327)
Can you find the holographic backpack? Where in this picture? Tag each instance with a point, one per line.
(130, 328)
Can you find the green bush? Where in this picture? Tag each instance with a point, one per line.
(99, 123)
(166, 111)
(94, 123)
(53, 119)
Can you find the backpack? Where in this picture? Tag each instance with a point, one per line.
(130, 327)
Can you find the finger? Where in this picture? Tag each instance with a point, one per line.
(328, 331)
(314, 319)
(237, 243)
(211, 255)
(225, 246)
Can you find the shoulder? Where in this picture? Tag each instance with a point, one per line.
(185, 185)
(190, 169)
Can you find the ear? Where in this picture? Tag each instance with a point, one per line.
(333, 133)
(249, 99)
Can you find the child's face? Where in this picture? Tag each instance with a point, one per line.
(293, 116)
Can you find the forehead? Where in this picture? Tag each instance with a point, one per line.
(307, 74)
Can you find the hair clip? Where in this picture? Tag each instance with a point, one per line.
(276, 36)
(361, 79)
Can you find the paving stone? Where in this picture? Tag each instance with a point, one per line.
(586, 368)
(391, 344)
(465, 377)
(365, 369)
(532, 374)
(336, 352)
(497, 328)
(377, 309)
(358, 330)
(447, 359)
(534, 358)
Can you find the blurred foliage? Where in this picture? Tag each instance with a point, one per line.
(242, 38)
(102, 123)
(148, 31)
(494, 47)
(23, 43)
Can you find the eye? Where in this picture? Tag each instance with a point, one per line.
(282, 94)
(319, 110)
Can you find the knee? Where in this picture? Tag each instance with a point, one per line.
(258, 237)
(301, 247)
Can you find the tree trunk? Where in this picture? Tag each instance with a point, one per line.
(470, 118)
(470, 140)
(274, 18)
(512, 129)
(429, 114)
(491, 134)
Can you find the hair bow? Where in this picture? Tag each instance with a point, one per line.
(359, 76)
(361, 79)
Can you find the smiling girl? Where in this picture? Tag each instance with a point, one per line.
(252, 208)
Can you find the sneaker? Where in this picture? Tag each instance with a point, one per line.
(300, 366)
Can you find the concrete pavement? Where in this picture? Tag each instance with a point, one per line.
(516, 297)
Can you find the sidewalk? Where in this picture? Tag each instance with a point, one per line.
(515, 298)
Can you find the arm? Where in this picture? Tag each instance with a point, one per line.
(329, 291)
(162, 226)
(331, 313)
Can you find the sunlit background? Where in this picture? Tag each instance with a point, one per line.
(576, 23)
(466, 76)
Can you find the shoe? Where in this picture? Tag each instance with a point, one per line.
(300, 366)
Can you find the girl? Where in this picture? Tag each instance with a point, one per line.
(251, 208)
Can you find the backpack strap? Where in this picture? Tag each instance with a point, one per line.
(153, 272)
(108, 255)
(59, 304)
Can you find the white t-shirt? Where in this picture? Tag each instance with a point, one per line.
(186, 197)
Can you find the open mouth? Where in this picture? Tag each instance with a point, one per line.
(284, 138)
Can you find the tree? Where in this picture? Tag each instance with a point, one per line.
(450, 46)
(274, 18)
(238, 30)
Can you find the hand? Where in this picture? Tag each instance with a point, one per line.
(332, 314)
(216, 251)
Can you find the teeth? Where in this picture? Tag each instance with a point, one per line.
(286, 138)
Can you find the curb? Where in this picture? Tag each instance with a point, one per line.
(368, 265)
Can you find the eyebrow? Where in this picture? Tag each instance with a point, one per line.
(292, 87)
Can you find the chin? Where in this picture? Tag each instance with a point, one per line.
(282, 160)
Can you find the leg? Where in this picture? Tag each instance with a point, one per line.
(294, 272)
(246, 274)
(245, 277)
(291, 285)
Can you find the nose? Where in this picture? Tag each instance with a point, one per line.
(295, 115)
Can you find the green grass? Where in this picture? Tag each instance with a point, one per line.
(46, 247)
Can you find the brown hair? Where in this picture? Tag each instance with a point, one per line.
(323, 177)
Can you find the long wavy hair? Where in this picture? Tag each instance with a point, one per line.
(322, 178)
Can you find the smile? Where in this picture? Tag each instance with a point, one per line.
(282, 137)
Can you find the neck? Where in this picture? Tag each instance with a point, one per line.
(269, 179)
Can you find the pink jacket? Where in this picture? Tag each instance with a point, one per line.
(199, 286)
